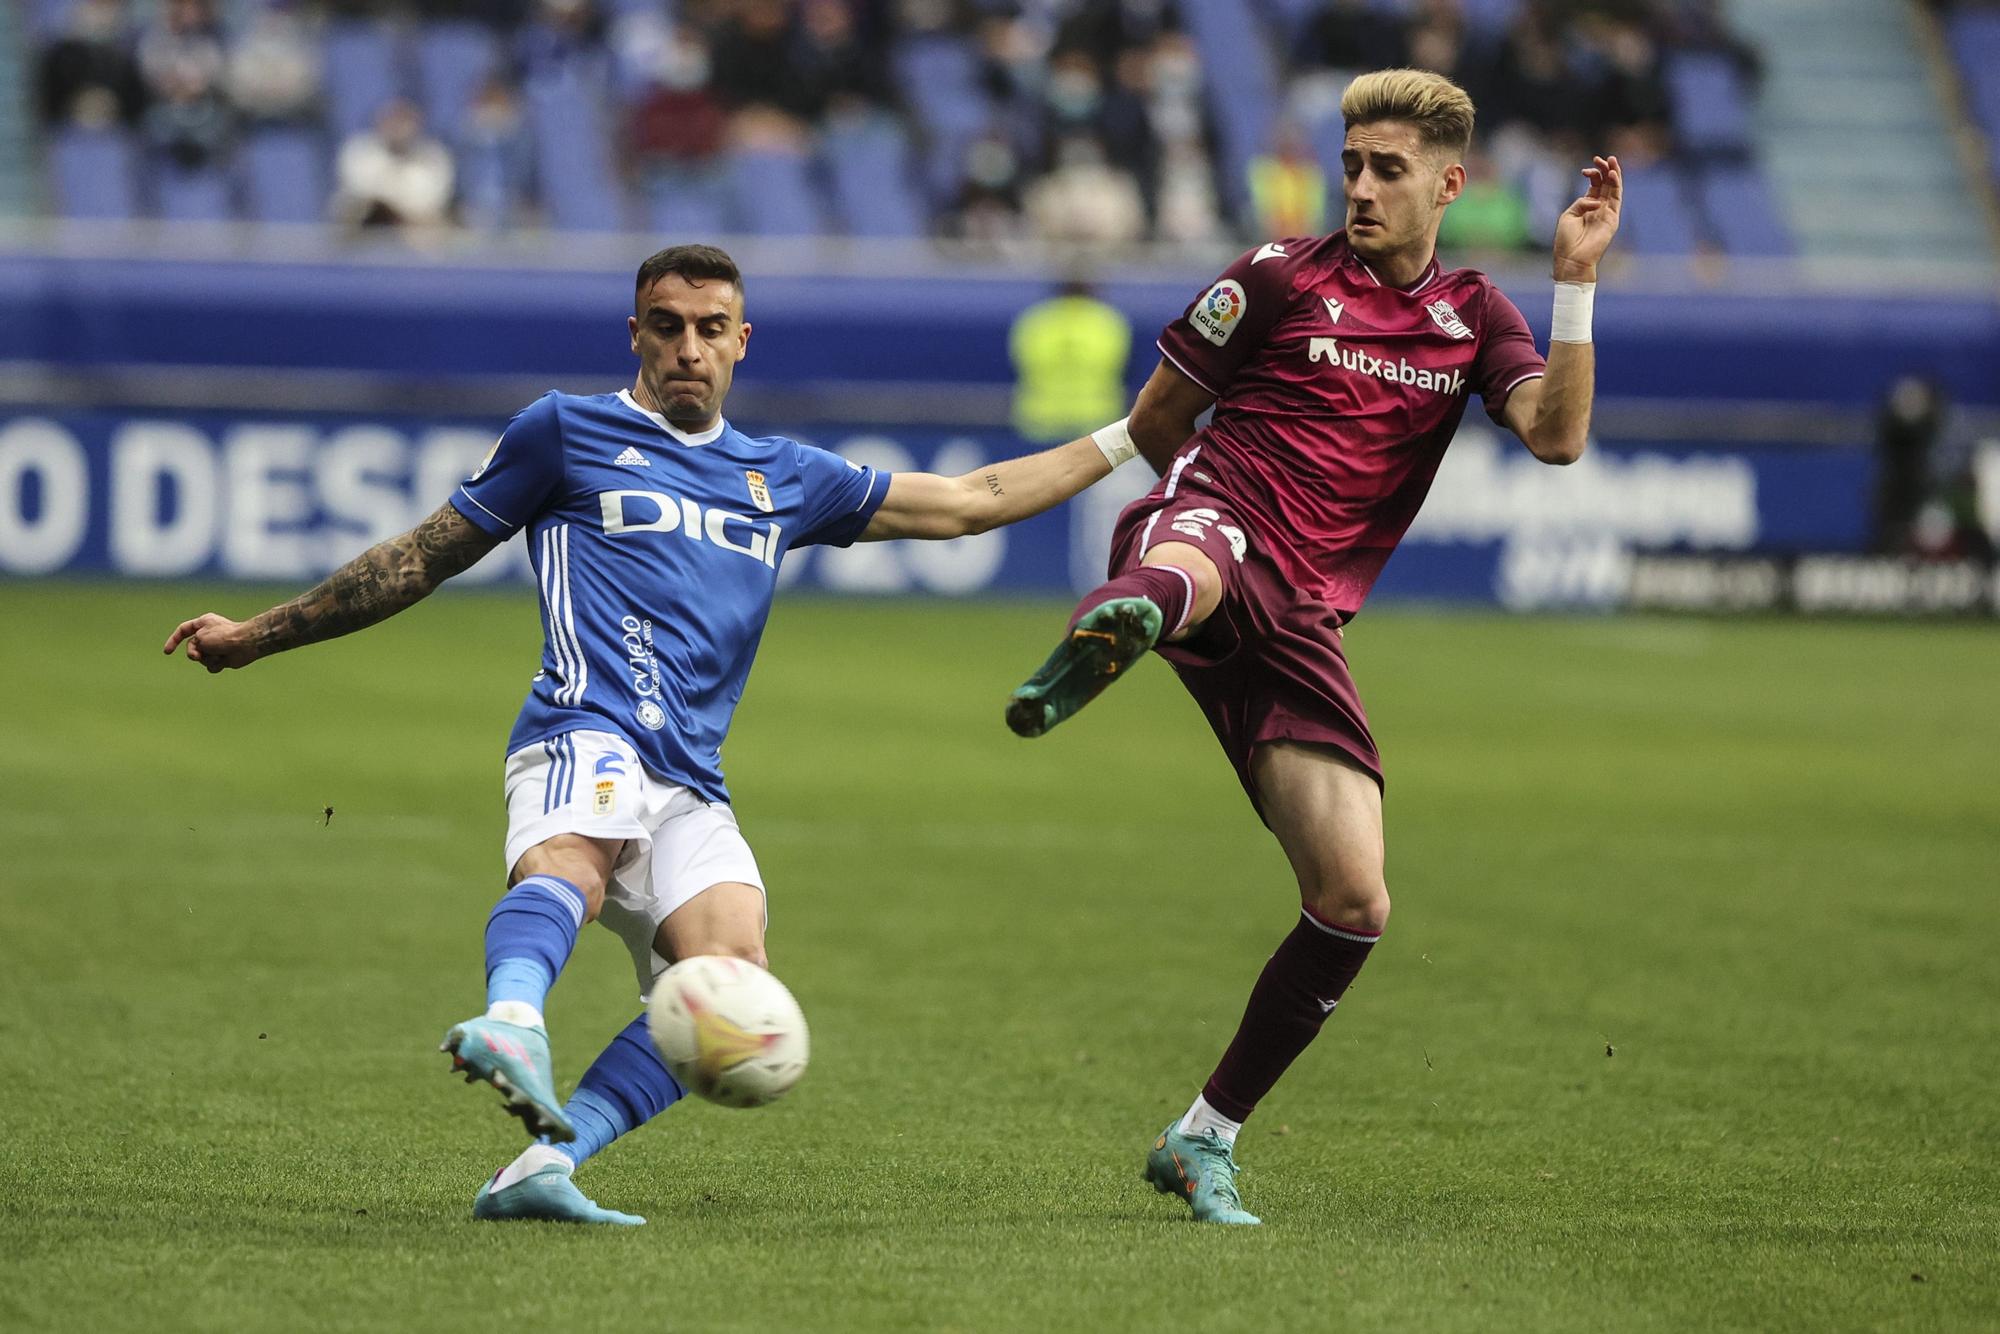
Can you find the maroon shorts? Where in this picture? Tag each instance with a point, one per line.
(1268, 665)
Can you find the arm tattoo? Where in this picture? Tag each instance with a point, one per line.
(993, 483)
(377, 584)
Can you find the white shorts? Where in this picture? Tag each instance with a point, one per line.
(676, 844)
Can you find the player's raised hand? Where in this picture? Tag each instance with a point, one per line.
(216, 642)
(1585, 229)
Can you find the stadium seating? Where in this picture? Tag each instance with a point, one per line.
(363, 70)
(1974, 35)
(452, 61)
(878, 174)
(192, 194)
(285, 176)
(1743, 217)
(94, 174)
(868, 161)
(1710, 105)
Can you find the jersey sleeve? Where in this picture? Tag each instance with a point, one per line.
(520, 474)
(1229, 322)
(840, 497)
(1506, 355)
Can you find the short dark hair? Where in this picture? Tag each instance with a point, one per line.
(690, 262)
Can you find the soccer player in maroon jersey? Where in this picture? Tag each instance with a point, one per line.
(1338, 367)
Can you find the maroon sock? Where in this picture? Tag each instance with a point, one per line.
(1293, 997)
(1168, 587)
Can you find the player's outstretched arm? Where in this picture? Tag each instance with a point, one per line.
(372, 587)
(922, 504)
(1552, 415)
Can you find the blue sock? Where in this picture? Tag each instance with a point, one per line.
(529, 937)
(625, 1087)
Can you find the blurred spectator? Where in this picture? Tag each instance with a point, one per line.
(1356, 36)
(1125, 124)
(275, 68)
(563, 43)
(842, 74)
(756, 61)
(183, 48)
(1926, 492)
(393, 174)
(1489, 216)
(188, 123)
(1086, 199)
(1632, 95)
(88, 75)
(988, 209)
(1531, 82)
(1288, 189)
(677, 120)
(1069, 353)
(495, 158)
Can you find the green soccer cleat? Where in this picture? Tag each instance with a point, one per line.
(1201, 1170)
(515, 1060)
(1110, 638)
(548, 1196)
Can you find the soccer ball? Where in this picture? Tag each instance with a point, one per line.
(728, 1030)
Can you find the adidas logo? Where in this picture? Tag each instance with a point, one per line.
(632, 458)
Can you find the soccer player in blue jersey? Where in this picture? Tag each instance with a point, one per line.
(656, 530)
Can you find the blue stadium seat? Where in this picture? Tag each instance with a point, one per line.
(1742, 212)
(363, 70)
(1659, 221)
(94, 174)
(772, 194)
(453, 60)
(200, 194)
(868, 160)
(1711, 109)
(686, 204)
(573, 159)
(284, 176)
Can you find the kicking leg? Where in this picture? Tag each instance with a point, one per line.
(558, 885)
(628, 1084)
(1172, 592)
(1327, 815)
(625, 1087)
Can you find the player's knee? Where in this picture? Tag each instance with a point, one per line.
(1360, 902)
(578, 871)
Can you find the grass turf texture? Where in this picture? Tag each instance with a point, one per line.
(1753, 860)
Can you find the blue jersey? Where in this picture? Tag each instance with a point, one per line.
(657, 553)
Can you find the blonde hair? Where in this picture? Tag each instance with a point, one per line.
(1439, 108)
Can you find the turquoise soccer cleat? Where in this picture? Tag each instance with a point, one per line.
(1103, 644)
(515, 1060)
(1201, 1170)
(548, 1196)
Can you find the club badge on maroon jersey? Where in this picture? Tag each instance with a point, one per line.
(1216, 315)
(1447, 319)
(760, 494)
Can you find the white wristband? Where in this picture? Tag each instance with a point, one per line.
(1115, 442)
(1571, 321)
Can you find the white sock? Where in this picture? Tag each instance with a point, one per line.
(519, 1013)
(535, 1158)
(1202, 1117)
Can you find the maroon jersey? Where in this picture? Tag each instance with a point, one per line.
(1336, 395)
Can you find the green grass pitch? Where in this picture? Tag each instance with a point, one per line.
(1686, 1018)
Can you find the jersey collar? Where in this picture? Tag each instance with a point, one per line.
(1429, 275)
(708, 437)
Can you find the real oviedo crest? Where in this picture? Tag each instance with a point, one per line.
(1215, 316)
(760, 494)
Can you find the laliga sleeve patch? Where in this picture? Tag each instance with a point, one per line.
(1216, 315)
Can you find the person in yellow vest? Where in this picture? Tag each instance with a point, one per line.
(1288, 189)
(1069, 354)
